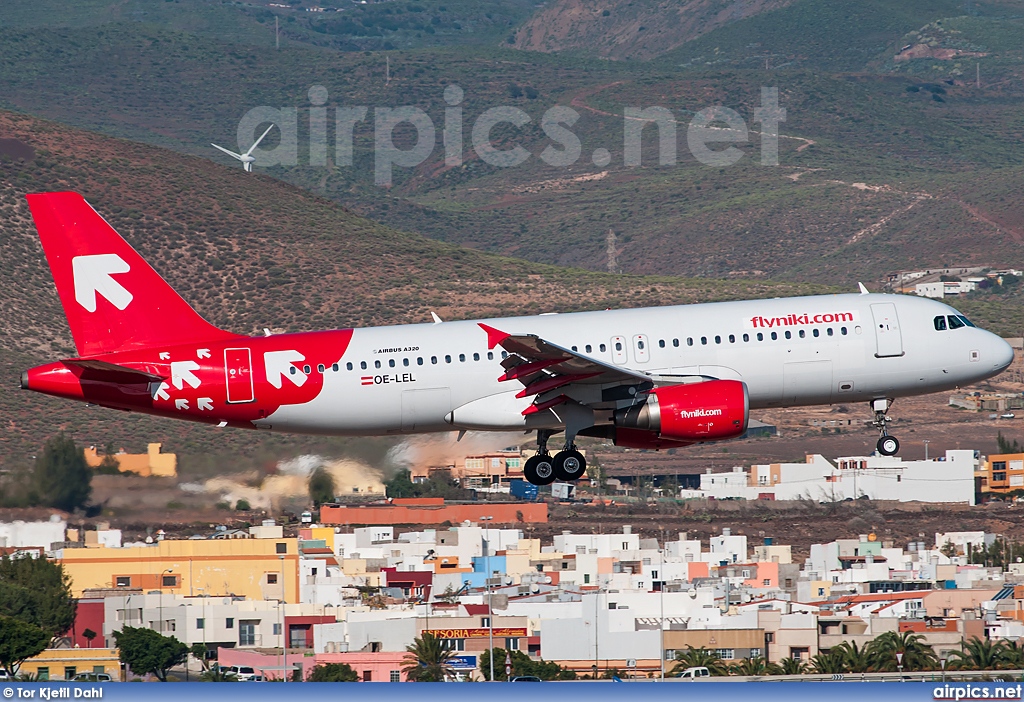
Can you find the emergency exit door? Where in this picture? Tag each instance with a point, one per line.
(238, 375)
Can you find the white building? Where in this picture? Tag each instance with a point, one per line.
(941, 289)
(19, 534)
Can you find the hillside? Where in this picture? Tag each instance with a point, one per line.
(630, 29)
(249, 252)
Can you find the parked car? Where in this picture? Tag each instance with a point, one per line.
(526, 678)
(1007, 415)
(694, 673)
(243, 673)
(4, 675)
(91, 677)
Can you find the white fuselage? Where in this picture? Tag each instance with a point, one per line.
(789, 351)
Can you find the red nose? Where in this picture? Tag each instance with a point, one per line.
(53, 379)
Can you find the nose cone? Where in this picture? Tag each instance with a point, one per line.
(1002, 353)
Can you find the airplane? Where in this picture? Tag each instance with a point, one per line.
(651, 378)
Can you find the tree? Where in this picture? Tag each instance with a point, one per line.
(979, 654)
(856, 659)
(89, 635)
(753, 666)
(333, 672)
(109, 465)
(218, 674)
(243, 506)
(146, 651)
(38, 592)
(400, 485)
(1007, 446)
(831, 662)
(428, 659)
(19, 641)
(200, 653)
(522, 664)
(321, 487)
(917, 655)
(62, 478)
(792, 666)
(698, 658)
(948, 549)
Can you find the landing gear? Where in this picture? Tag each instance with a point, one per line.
(540, 469)
(887, 445)
(570, 464)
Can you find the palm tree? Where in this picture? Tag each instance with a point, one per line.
(792, 666)
(855, 658)
(832, 662)
(752, 667)
(428, 659)
(979, 654)
(917, 655)
(1013, 655)
(698, 658)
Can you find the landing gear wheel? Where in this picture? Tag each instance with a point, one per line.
(570, 465)
(539, 470)
(888, 446)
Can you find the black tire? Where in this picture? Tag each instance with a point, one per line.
(539, 470)
(888, 446)
(570, 465)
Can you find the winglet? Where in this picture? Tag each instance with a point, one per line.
(863, 290)
(433, 315)
(494, 336)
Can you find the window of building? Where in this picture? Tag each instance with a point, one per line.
(246, 633)
(69, 672)
(586, 578)
(276, 629)
(43, 673)
(755, 652)
(746, 573)
(396, 676)
(454, 644)
(169, 581)
(123, 581)
(229, 623)
(200, 623)
(271, 578)
(281, 547)
(769, 637)
(367, 676)
(726, 654)
(511, 644)
(997, 477)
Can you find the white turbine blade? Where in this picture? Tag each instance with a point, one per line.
(232, 154)
(247, 165)
(253, 147)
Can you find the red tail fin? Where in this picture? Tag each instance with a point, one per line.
(113, 299)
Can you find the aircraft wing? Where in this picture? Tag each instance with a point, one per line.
(548, 371)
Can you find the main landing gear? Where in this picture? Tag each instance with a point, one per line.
(887, 445)
(544, 469)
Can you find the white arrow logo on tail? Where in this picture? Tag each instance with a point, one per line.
(205, 403)
(181, 372)
(159, 391)
(181, 404)
(202, 353)
(282, 363)
(164, 355)
(92, 277)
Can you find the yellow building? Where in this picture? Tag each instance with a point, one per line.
(153, 463)
(252, 568)
(66, 663)
(1003, 473)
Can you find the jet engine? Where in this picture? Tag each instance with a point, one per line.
(678, 415)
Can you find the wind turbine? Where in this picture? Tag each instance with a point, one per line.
(247, 158)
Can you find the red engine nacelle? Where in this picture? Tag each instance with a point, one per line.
(678, 415)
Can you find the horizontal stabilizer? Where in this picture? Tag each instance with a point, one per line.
(102, 370)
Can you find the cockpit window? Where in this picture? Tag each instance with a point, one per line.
(965, 320)
(940, 323)
(955, 323)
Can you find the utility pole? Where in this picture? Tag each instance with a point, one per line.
(490, 611)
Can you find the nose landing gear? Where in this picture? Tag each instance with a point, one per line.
(887, 445)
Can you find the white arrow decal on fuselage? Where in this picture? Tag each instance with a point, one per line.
(159, 391)
(92, 277)
(205, 403)
(181, 372)
(281, 363)
(181, 404)
(202, 353)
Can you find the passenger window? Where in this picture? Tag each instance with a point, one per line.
(732, 339)
(603, 348)
(462, 358)
(675, 342)
(376, 364)
(293, 370)
(588, 348)
(433, 360)
(760, 336)
(842, 330)
(689, 341)
(490, 355)
(391, 362)
(661, 343)
(405, 362)
(419, 360)
(746, 337)
(618, 345)
(504, 355)
(955, 323)
(803, 334)
(476, 356)
(718, 339)
(704, 340)
(348, 366)
(362, 364)
(320, 368)
(640, 345)
(940, 323)
(447, 358)
(775, 336)
(789, 334)
(574, 348)
(307, 370)
(829, 331)
(815, 333)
